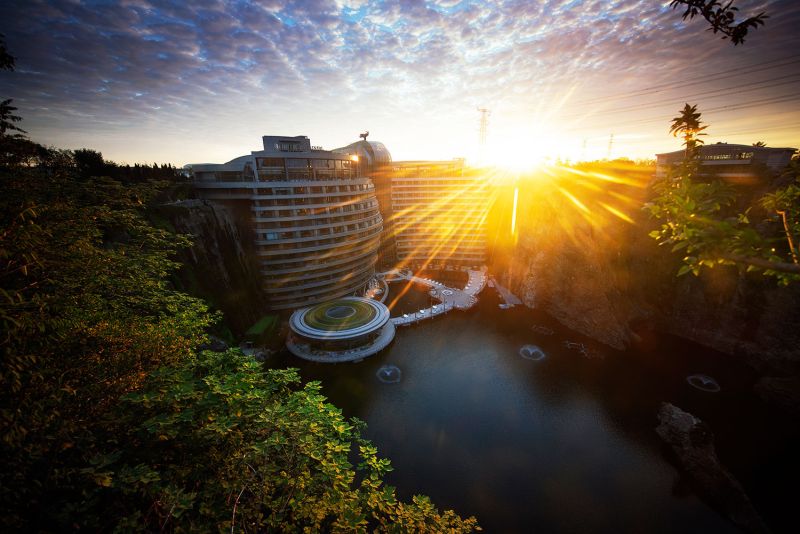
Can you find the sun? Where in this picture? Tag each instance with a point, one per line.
(524, 150)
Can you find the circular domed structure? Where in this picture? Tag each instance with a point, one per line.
(340, 330)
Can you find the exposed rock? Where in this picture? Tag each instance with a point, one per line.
(581, 286)
(693, 443)
(617, 287)
(781, 391)
(221, 265)
(743, 315)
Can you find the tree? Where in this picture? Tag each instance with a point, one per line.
(688, 126)
(87, 312)
(7, 119)
(698, 217)
(276, 457)
(89, 163)
(721, 17)
(785, 203)
(6, 59)
(89, 318)
(760, 144)
(112, 421)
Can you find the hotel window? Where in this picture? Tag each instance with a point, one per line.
(294, 163)
(270, 162)
(289, 146)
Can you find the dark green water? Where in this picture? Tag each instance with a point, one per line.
(566, 444)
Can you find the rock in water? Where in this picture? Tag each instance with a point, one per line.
(693, 443)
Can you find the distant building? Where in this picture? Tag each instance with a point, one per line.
(438, 214)
(314, 216)
(742, 164)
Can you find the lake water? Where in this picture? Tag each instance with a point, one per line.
(564, 444)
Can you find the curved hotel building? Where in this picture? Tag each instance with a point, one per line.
(315, 217)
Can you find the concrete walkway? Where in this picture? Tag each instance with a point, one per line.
(477, 281)
(377, 288)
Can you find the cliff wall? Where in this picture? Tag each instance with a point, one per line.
(603, 276)
(220, 266)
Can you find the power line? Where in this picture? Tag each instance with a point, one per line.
(757, 130)
(714, 135)
(720, 92)
(724, 133)
(761, 66)
(723, 109)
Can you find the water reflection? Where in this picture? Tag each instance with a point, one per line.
(566, 445)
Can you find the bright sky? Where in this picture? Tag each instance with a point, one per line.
(202, 81)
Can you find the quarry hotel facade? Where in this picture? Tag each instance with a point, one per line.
(324, 221)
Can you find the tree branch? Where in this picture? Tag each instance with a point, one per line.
(235, 504)
(780, 266)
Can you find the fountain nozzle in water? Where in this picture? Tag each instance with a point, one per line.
(389, 374)
(532, 352)
(703, 383)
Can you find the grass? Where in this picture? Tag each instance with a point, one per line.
(318, 316)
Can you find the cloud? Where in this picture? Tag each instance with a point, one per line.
(114, 66)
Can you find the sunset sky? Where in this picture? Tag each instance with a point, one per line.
(202, 82)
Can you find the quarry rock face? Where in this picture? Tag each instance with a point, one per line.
(609, 289)
(220, 266)
(746, 316)
(577, 288)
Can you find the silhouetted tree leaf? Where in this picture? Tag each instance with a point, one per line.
(721, 17)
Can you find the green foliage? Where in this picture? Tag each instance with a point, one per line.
(112, 422)
(784, 203)
(86, 314)
(276, 457)
(699, 220)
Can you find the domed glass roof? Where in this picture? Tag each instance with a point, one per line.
(370, 153)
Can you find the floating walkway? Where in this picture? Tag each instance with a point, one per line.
(449, 298)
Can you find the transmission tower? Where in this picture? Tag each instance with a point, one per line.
(484, 125)
(610, 146)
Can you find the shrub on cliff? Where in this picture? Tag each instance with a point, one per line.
(111, 421)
